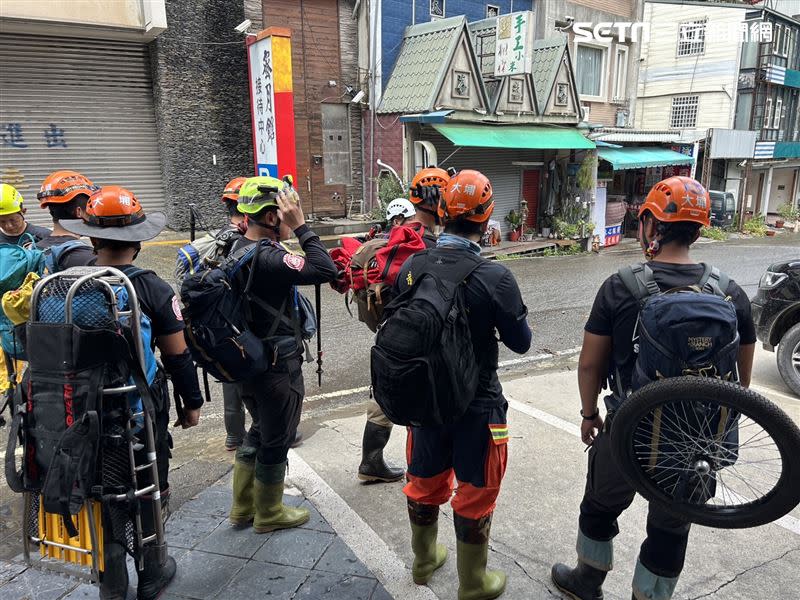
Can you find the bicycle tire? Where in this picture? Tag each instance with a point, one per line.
(780, 500)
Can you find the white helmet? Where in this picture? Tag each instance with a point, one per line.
(400, 207)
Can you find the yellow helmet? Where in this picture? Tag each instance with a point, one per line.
(10, 200)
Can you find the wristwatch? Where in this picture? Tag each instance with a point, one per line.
(591, 417)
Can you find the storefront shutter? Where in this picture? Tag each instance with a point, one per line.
(85, 105)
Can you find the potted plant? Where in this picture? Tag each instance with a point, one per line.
(528, 235)
(515, 220)
(546, 226)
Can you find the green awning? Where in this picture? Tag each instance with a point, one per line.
(510, 136)
(639, 158)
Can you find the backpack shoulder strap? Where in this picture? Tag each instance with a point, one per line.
(714, 281)
(639, 281)
(132, 272)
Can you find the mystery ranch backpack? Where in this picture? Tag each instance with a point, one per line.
(686, 331)
(370, 269)
(423, 365)
(60, 405)
(204, 252)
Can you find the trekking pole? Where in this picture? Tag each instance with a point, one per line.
(318, 302)
(206, 387)
(191, 222)
(178, 405)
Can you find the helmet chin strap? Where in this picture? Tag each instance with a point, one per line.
(275, 229)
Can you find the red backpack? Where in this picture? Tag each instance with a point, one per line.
(370, 268)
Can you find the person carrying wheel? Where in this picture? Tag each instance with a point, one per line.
(116, 224)
(474, 449)
(273, 398)
(670, 220)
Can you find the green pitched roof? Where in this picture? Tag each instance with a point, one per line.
(419, 69)
(546, 60)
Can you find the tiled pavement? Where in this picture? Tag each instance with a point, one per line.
(216, 561)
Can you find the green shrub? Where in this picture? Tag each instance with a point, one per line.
(788, 212)
(756, 227)
(714, 233)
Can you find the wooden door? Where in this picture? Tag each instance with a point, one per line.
(530, 193)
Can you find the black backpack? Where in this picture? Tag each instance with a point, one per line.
(217, 311)
(423, 366)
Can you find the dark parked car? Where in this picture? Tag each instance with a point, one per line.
(723, 207)
(776, 312)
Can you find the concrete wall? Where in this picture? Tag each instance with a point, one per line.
(596, 11)
(202, 106)
(712, 75)
(139, 17)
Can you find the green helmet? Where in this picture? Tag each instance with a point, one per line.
(257, 193)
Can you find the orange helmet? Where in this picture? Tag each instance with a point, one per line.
(62, 186)
(468, 195)
(232, 189)
(114, 213)
(678, 199)
(427, 177)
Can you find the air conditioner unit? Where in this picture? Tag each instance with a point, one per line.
(585, 109)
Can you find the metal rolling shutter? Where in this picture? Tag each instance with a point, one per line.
(495, 163)
(100, 94)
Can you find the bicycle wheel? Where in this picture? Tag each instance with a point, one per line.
(709, 452)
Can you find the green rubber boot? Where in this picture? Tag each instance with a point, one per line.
(243, 510)
(472, 546)
(270, 511)
(428, 555)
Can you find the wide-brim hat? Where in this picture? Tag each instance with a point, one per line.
(149, 227)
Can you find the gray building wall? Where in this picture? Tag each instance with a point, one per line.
(202, 106)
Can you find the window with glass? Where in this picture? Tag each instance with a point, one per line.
(684, 112)
(620, 73)
(776, 120)
(589, 70)
(692, 38)
(767, 123)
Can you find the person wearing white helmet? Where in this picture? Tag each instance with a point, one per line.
(399, 211)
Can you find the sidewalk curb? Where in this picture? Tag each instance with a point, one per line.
(365, 543)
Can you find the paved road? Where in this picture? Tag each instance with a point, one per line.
(558, 292)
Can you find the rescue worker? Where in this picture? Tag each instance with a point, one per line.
(398, 212)
(373, 467)
(273, 398)
(117, 224)
(233, 406)
(668, 226)
(425, 193)
(474, 450)
(64, 194)
(13, 225)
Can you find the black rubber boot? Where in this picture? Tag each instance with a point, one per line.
(114, 579)
(373, 467)
(157, 572)
(298, 440)
(581, 583)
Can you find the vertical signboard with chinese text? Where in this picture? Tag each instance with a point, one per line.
(514, 47)
(269, 57)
